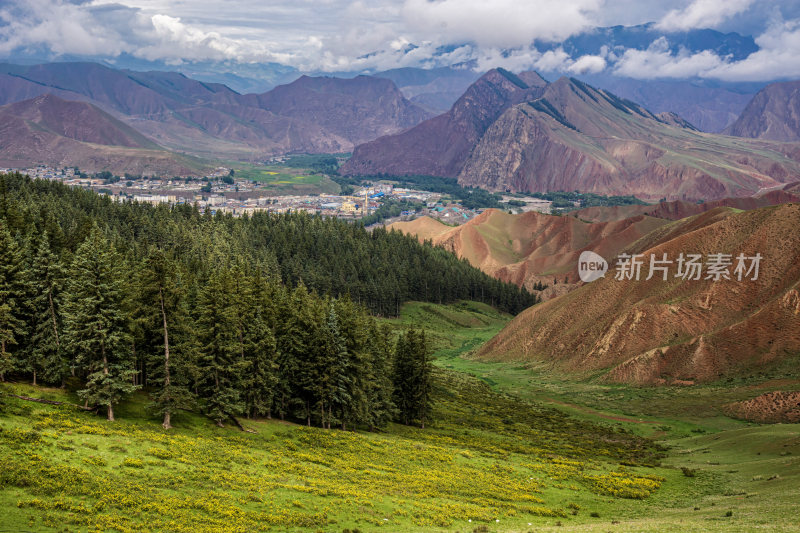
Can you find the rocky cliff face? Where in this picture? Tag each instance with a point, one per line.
(773, 114)
(440, 146)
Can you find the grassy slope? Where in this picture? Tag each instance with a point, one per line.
(748, 469)
(489, 456)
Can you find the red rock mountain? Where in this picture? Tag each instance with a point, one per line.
(675, 331)
(568, 135)
(441, 146)
(773, 114)
(80, 121)
(49, 130)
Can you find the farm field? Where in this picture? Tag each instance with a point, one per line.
(496, 458)
(285, 180)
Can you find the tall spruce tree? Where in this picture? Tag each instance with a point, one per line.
(260, 349)
(46, 353)
(220, 351)
(11, 295)
(297, 341)
(413, 377)
(337, 374)
(96, 325)
(423, 378)
(163, 319)
(379, 387)
(403, 378)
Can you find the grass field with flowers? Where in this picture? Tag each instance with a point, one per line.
(490, 461)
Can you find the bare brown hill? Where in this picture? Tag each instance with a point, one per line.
(771, 407)
(531, 247)
(424, 228)
(773, 113)
(80, 121)
(675, 330)
(49, 130)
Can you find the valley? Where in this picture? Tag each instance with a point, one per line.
(403, 267)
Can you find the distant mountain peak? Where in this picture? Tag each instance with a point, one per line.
(773, 114)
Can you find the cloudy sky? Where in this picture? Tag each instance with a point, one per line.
(354, 35)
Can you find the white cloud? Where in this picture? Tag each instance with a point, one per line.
(63, 27)
(777, 57)
(112, 29)
(702, 14)
(779, 48)
(355, 35)
(553, 60)
(658, 62)
(588, 64)
(500, 23)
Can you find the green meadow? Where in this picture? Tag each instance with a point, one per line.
(511, 449)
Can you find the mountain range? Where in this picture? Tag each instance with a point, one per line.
(515, 132)
(506, 134)
(440, 146)
(309, 115)
(708, 107)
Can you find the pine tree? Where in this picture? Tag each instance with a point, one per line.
(336, 374)
(310, 381)
(96, 326)
(288, 343)
(11, 325)
(163, 316)
(260, 351)
(379, 388)
(297, 341)
(220, 350)
(413, 377)
(403, 378)
(46, 353)
(423, 378)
